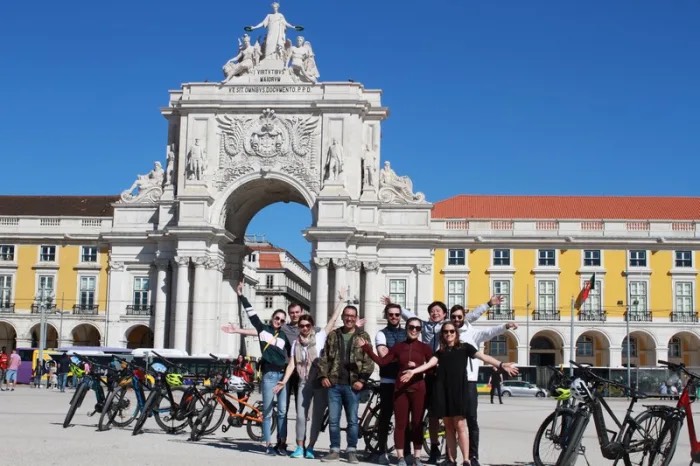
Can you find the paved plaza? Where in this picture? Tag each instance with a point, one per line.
(32, 432)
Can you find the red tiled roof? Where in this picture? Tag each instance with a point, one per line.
(569, 207)
(270, 260)
(263, 247)
(57, 206)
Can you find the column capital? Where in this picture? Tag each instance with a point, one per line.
(424, 268)
(354, 266)
(182, 261)
(116, 266)
(200, 261)
(340, 263)
(321, 262)
(216, 264)
(371, 266)
(161, 263)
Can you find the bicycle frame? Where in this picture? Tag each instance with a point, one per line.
(226, 399)
(684, 408)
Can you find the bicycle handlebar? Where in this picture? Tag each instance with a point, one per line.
(678, 367)
(587, 370)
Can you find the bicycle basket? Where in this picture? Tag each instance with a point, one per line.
(159, 367)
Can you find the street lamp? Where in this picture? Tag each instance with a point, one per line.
(42, 302)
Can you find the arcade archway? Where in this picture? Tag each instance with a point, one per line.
(51, 336)
(139, 336)
(593, 347)
(86, 335)
(546, 349)
(8, 336)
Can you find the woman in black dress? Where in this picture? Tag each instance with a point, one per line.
(450, 392)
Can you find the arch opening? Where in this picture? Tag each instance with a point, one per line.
(51, 336)
(86, 335)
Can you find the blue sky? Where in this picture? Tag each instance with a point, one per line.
(507, 97)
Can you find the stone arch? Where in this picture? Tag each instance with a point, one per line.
(8, 335)
(503, 347)
(51, 336)
(86, 335)
(593, 347)
(248, 195)
(642, 349)
(546, 348)
(684, 347)
(139, 336)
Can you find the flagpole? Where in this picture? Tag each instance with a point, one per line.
(572, 355)
(527, 326)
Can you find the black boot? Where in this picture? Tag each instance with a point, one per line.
(434, 454)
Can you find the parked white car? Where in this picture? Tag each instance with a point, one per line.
(521, 388)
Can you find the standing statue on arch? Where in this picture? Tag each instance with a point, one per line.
(196, 162)
(334, 162)
(276, 25)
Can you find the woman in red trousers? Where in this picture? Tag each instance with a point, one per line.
(409, 396)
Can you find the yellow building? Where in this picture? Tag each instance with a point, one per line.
(538, 252)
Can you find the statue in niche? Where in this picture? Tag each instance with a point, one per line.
(302, 61)
(196, 162)
(150, 186)
(369, 168)
(276, 26)
(397, 189)
(248, 56)
(334, 161)
(170, 166)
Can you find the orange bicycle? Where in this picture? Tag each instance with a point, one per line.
(225, 388)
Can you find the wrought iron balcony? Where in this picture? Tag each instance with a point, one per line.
(85, 309)
(500, 314)
(594, 315)
(684, 316)
(139, 310)
(638, 316)
(546, 315)
(36, 309)
(7, 308)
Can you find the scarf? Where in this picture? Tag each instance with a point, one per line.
(305, 354)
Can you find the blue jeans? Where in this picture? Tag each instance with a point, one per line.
(269, 380)
(62, 381)
(343, 396)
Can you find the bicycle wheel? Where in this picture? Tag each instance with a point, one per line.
(104, 423)
(254, 427)
(124, 407)
(201, 421)
(75, 403)
(551, 438)
(652, 441)
(426, 435)
(572, 444)
(166, 414)
(218, 412)
(370, 431)
(152, 400)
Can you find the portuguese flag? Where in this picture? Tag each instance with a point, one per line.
(585, 291)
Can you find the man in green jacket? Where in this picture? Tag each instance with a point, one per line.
(344, 369)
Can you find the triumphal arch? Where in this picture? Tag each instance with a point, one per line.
(270, 131)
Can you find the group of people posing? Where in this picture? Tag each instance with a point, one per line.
(428, 364)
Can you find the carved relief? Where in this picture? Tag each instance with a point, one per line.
(116, 266)
(394, 189)
(149, 187)
(340, 263)
(269, 142)
(216, 264)
(321, 261)
(424, 268)
(371, 266)
(354, 266)
(181, 260)
(200, 261)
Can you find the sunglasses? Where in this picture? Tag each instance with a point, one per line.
(278, 319)
(304, 325)
(448, 332)
(417, 328)
(457, 317)
(347, 316)
(394, 314)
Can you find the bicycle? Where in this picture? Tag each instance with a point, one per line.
(172, 416)
(666, 445)
(222, 387)
(90, 380)
(556, 425)
(118, 408)
(634, 436)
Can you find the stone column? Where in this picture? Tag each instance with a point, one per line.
(161, 292)
(217, 309)
(182, 301)
(321, 291)
(372, 293)
(229, 344)
(424, 288)
(199, 306)
(615, 356)
(118, 283)
(341, 280)
(353, 281)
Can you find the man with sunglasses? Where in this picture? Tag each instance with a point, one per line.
(475, 336)
(291, 330)
(386, 338)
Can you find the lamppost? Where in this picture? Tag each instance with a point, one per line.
(42, 302)
(627, 339)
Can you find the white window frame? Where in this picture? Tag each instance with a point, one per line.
(456, 297)
(676, 259)
(676, 307)
(456, 258)
(583, 258)
(540, 258)
(634, 252)
(83, 255)
(393, 295)
(13, 250)
(79, 296)
(55, 253)
(587, 342)
(140, 304)
(498, 346)
(639, 307)
(507, 297)
(555, 307)
(494, 258)
(269, 302)
(596, 292)
(6, 300)
(38, 294)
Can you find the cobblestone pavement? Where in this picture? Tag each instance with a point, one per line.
(32, 434)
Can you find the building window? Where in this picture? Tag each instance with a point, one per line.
(87, 292)
(498, 346)
(5, 290)
(7, 252)
(251, 257)
(593, 303)
(397, 292)
(502, 288)
(684, 259)
(638, 294)
(684, 297)
(546, 258)
(47, 254)
(591, 257)
(638, 258)
(584, 346)
(47, 285)
(88, 254)
(141, 290)
(269, 281)
(455, 293)
(674, 348)
(268, 302)
(501, 257)
(546, 295)
(455, 257)
(633, 347)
